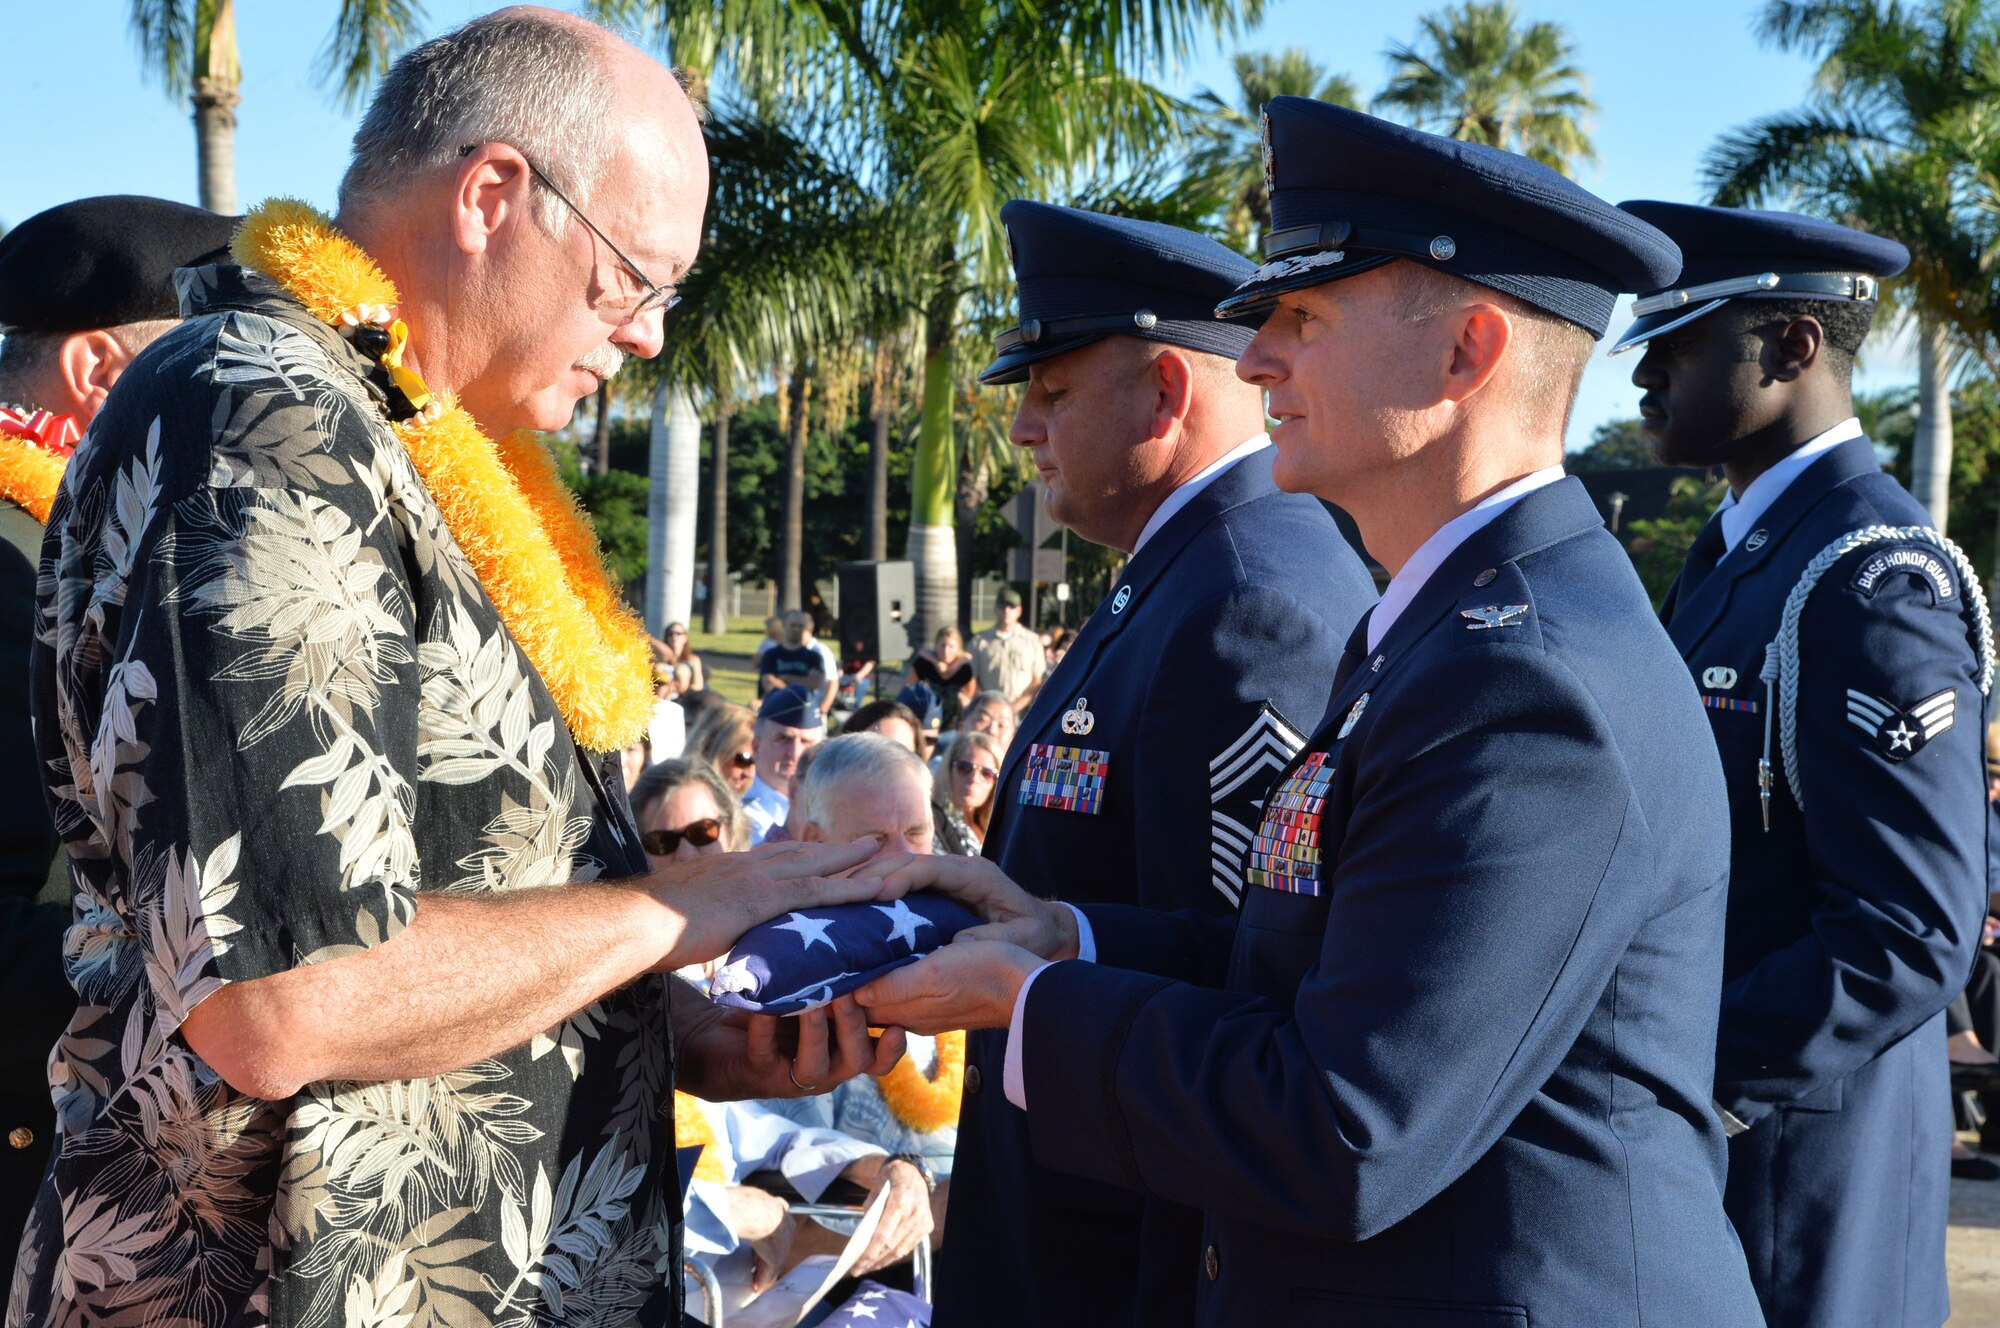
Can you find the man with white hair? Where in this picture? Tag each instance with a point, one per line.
(863, 784)
(369, 1027)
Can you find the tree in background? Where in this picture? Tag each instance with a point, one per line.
(1614, 445)
(1903, 96)
(949, 111)
(1232, 151)
(190, 46)
(1659, 545)
(1476, 73)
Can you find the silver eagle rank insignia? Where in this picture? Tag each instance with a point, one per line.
(1494, 615)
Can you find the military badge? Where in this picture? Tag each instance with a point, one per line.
(1120, 600)
(1719, 678)
(1493, 615)
(1898, 732)
(1286, 853)
(1077, 721)
(1353, 717)
(1065, 779)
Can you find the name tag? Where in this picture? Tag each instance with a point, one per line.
(1286, 852)
(1068, 779)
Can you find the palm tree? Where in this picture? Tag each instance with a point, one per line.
(949, 111)
(1890, 140)
(1234, 148)
(190, 46)
(1480, 76)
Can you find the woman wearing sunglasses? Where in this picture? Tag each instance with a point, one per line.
(685, 810)
(723, 736)
(972, 772)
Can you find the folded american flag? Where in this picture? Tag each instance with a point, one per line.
(804, 960)
(874, 1304)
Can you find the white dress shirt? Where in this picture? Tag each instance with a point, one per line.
(1194, 484)
(1739, 515)
(1444, 542)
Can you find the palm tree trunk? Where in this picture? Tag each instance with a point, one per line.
(217, 75)
(791, 590)
(931, 546)
(1930, 458)
(878, 460)
(670, 509)
(717, 619)
(971, 496)
(601, 445)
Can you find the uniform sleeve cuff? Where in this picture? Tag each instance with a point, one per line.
(1086, 950)
(1011, 1080)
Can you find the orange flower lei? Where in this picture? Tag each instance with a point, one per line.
(928, 1105)
(29, 475)
(691, 1127)
(530, 545)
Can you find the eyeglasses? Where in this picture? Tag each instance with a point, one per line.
(656, 296)
(965, 767)
(702, 833)
(743, 760)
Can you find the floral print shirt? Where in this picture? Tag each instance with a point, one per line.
(275, 708)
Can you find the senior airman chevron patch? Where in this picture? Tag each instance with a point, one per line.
(1901, 733)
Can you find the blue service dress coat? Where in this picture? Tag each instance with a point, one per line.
(1453, 1066)
(1201, 674)
(1853, 922)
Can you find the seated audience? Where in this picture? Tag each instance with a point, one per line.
(725, 737)
(991, 714)
(923, 702)
(892, 719)
(666, 731)
(749, 1236)
(787, 723)
(947, 670)
(799, 661)
(972, 774)
(679, 652)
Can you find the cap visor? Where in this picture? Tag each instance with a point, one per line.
(1645, 329)
(1254, 297)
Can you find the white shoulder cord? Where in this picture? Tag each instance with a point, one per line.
(1781, 657)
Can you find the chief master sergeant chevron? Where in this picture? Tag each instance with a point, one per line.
(1454, 1063)
(1856, 791)
(1182, 697)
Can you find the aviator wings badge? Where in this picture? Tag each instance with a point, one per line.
(1493, 615)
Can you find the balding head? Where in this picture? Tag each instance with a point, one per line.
(478, 160)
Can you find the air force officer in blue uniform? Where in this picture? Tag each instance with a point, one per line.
(1856, 791)
(1453, 1064)
(1137, 776)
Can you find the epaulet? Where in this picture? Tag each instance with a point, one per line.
(1917, 551)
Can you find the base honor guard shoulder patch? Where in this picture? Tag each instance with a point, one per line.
(1901, 732)
(1920, 562)
(1067, 779)
(1286, 853)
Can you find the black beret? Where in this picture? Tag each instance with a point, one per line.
(1350, 192)
(101, 262)
(1743, 253)
(1084, 276)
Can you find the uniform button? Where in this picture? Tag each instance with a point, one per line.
(1485, 578)
(1213, 1263)
(20, 1136)
(971, 1080)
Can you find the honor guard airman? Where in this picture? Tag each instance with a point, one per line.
(83, 288)
(1138, 774)
(1454, 1063)
(1844, 655)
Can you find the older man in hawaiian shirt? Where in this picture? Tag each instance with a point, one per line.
(369, 1030)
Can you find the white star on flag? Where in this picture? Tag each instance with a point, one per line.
(862, 1311)
(813, 930)
(904, 922)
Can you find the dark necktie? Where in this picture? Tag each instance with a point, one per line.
(1701, 560)
(1351, 657)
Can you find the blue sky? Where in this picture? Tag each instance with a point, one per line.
(83, 120)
